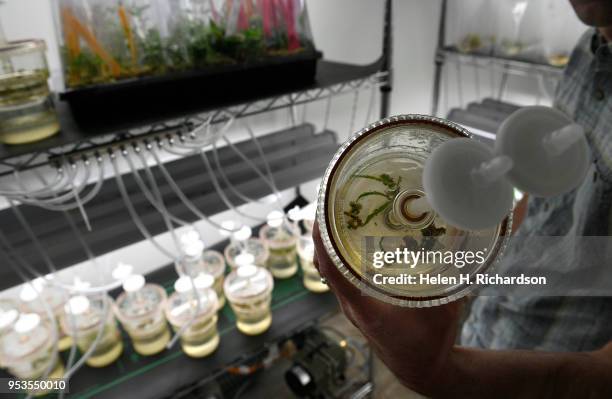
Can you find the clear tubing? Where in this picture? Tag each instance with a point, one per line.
(146, 191)
(55, 197)
(58, 180)
(160, 200)
(106, 308)
(227, 181)
(219, 190)
(132, 211)
(190, 205)
(55, 283)
(78, 203)
(46, 258)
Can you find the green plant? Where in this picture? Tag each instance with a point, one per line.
(354, 213)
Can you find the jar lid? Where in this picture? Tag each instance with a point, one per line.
(247, 281)
(83, 313)
(22, 47)
(143, 302)
(278, 236)
(182, 305)
(38, 294)
(9, 314)
(366, 206)
(253, 247)
(29, 335)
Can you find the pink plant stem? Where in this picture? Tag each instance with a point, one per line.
(215, 14)
(265, 7)
(294, 43)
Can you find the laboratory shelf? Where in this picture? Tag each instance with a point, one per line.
(507, 64)
(159, 376)
(332, 78)
(295, 156)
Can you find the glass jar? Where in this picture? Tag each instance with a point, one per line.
(363, 212)
(198, 326)
(249, 291)
(27, 112)
(83, 319)
(9, 313)
(312, 278)
(35, 295)
(27, 350)
(197, 260)
(140, 310)
(281, 242)
(252, 246)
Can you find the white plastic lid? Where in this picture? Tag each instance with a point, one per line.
(244, 258)
(80, 285)
(134, 283)
(227, 227)
(77, 305)
(243, 234)
(29, 292)
(247, 281)
(203, 281)
(182, 284)
(246, 271)
(194, 248)
(122, 271)
(295, 214)
(275, 218)
(190, 235)
(8, 317)
(27, 322)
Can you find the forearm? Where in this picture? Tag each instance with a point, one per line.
(473, 374)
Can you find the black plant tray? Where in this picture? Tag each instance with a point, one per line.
(191, 91)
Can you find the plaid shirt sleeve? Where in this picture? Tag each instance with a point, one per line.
(561, 323)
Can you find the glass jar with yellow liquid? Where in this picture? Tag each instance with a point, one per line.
(28, 350)
(252, 246)
(140, 309)
(372, 203)
(27, 112)
(84, 318)
(312, 278)
(281, 237)
(197, 260)
(249, 291)
(39, 293)
(192, 312)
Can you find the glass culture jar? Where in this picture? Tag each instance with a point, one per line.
(312, 278)
(27, 350)
(82, 320)
(140, 309)
(198, 327)
(252, 246)
(364, 208)
(249, 291)
(9, 313)
(281, 242)
(197, 260)
(35, 295)
(27, 112)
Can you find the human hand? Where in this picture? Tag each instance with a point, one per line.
(416, 344)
